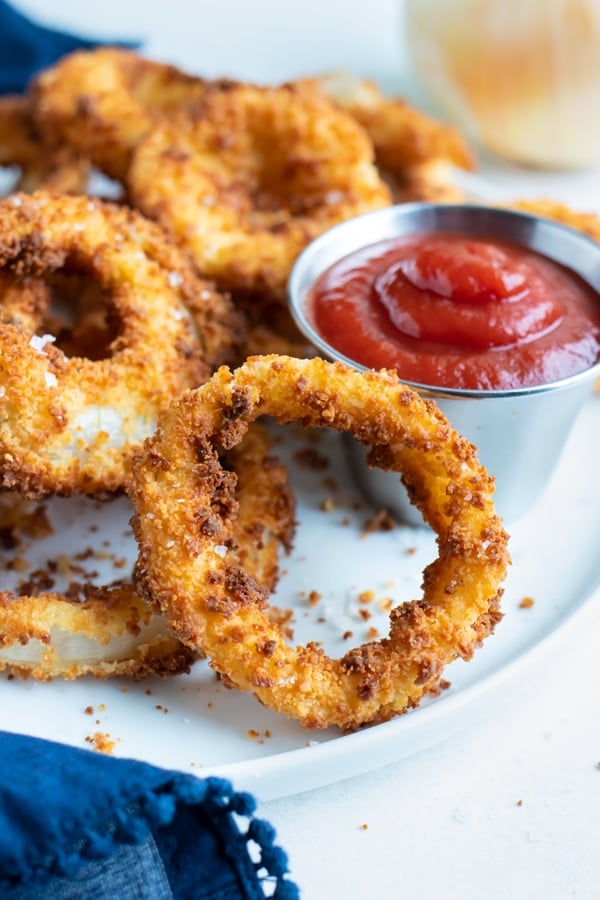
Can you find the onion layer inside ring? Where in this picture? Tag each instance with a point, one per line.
(184, 520)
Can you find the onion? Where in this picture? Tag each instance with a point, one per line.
(521, 79)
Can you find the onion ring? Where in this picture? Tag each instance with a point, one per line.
(72, 425)
(414, 153)
(587, 222)
(113, 632)
(402, 135)
(102, 102)
(214, 604)
(252, 179)
(60, 170)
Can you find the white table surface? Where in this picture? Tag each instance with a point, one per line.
(509, 807)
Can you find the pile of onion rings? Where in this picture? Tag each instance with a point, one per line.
(223, 184)
(214, 604)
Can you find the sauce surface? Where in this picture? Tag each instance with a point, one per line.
(449, 310)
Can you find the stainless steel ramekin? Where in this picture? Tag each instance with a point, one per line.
(520, 433)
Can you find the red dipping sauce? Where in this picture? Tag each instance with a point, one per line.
(449, 310)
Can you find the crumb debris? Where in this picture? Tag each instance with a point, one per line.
(102, 743)
(526, 603)
(314, 597)
(311, 458)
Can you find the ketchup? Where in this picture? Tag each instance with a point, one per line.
(449, 310)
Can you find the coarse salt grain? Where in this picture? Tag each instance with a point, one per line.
(50, 379)
(38, 343)
(175, 279)
(220, 549)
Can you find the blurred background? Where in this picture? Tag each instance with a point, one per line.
(260, 40)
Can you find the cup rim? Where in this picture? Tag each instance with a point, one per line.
(544, 236)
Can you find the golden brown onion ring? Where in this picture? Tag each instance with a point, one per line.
(60, 170)
(113, 632)
(259, 173)
(403, 136)
(587, 222)
(71, 424)
(102, 102)
(214, 604)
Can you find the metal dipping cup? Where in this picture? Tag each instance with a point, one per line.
(520, 433)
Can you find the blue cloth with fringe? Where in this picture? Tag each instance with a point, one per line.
(80, 825)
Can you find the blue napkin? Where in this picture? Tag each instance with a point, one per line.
(26, 47)
(79, 824)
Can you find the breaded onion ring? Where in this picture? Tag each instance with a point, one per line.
(214, 604)
(112, 632)
(403, 136)
(102, 102)
(253, 179)
(587, 222)
(71, 424)
(414, 153)
(60, 170)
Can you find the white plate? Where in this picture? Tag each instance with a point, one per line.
(193, 724)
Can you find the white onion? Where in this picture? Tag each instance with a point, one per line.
(522, 79)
